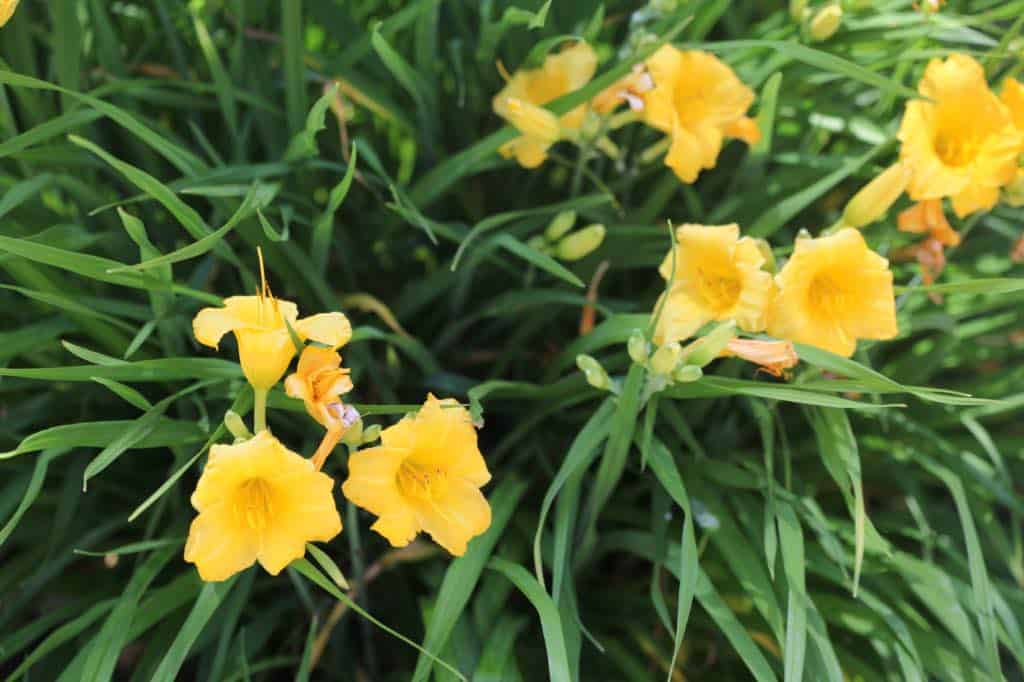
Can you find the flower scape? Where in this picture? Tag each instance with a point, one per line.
(512, 340)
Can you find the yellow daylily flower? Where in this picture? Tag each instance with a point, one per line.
(265, 347)
(697, 100)
(319, 381)
(258, 501)
(833, 291)
(521, 102)
(717, 276)
(7, 8)
(425, 476)
(963, 143)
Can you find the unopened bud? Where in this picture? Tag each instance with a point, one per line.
(705, 349)
(685, 374)
(581, 243)
(825, 23)
(666, 358)
(532, 120)
(638, 347)
(559, 225)
(236, 426)
(538, 243)
(353, 436)
(769, 256)
(371, 434)
(1014, 192)
(594, 372)
(797, 9)
(877, 197)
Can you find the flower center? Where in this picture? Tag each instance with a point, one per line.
(254, 504)
(719, 290)
(955, 149)
(826, 297)
(421, 482)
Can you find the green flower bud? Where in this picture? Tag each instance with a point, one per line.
(594, 372)
(371, 434)
(705, 349)
(559, 225)
(638, 347)
(581, 243)
(797, 9)
(666, 358)
(353, 437)
(236, 426)
(685, 374)
(825, 23)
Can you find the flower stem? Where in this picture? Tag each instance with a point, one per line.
(326, 447)
(259, 409)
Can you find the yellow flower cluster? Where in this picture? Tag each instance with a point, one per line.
(258, 501)
(690, 95)
(832, 291)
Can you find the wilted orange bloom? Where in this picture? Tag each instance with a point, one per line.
(319, 382)
(930, 255)
(774, 357)
(927, 217)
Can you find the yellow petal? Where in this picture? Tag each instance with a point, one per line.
(685, 155)
(264, 355)
(1013, 98)
(399, 527)
(373, 480)
(680, 318)
(330, 329)
(975, 198)
(211, 324)
(7, 8)
(306, 513)
(217, 548)
(455, 519)
(745, 129)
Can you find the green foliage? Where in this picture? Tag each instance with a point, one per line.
(858, 520)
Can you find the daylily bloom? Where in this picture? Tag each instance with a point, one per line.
(963, 143)
(521, 102)
(7, 8)
(833, 291)
(425, 476)
(260, 325)
(927, 217)
(717, 275)
(698, 101)
(258, 501)
(319, 381)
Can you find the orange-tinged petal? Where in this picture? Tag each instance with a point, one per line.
(745, 129)
(685, 155)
